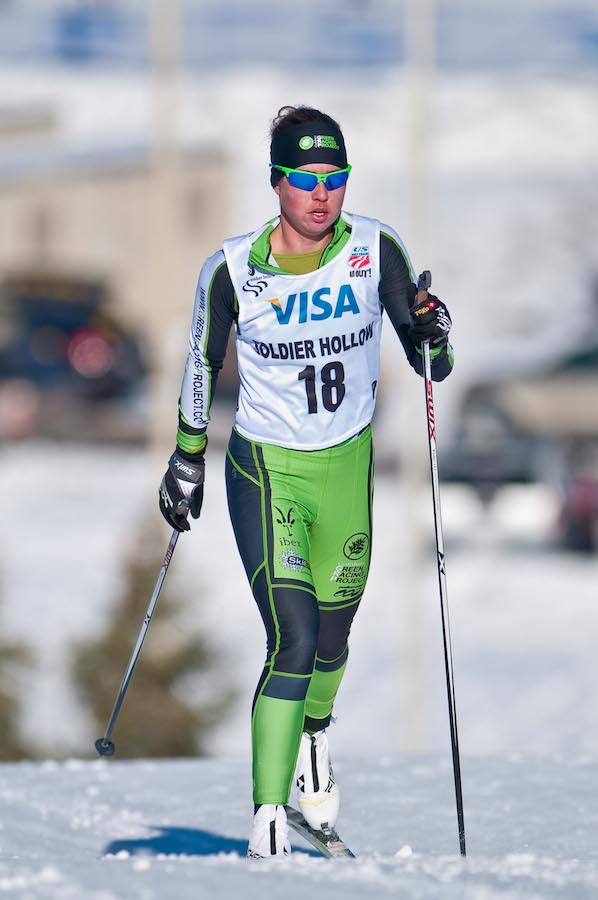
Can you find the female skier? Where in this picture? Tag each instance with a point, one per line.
(306, 293)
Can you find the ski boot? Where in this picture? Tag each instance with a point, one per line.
(319, 795)
(270, 833)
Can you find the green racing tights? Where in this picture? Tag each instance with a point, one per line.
(303, 525)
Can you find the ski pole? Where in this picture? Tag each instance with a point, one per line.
(423, 284)
(104, 745)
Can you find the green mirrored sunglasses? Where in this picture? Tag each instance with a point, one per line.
(307, 181)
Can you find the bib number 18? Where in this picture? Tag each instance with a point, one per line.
(333, 386)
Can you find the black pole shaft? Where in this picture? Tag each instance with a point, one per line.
(104, 745)
(423, 284)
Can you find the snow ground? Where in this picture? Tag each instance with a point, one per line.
(117, 831)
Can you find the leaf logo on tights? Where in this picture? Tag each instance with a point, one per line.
(356, 546)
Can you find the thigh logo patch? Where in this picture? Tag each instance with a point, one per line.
(356, 546)
(349, 593)
(292, 561)
(349, 576)
(287, 520)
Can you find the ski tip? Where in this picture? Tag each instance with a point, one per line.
(104, 747)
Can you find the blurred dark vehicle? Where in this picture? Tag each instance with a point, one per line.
(63, 356)
(540, 426)
(490, 449)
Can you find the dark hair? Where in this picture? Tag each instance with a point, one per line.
(287, 116)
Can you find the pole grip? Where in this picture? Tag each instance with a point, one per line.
(183, 508)
(424, 282)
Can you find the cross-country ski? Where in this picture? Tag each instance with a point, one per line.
(326, 840)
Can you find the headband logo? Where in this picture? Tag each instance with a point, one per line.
(318, 140)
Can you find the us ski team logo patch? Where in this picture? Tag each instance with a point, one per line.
(360, 257)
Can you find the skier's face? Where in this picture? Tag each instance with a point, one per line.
(310, 213)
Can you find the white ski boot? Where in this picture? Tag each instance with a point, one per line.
(319, 795)
(270, 833)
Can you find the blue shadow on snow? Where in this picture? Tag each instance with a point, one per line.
(183, 842)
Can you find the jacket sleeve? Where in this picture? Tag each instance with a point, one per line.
(396, 278)
(214, 311)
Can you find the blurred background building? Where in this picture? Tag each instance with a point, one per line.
(133, 139)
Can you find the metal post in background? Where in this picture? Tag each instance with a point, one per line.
(414, 640)
(165, 241)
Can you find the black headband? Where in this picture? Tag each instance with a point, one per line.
(310, 142)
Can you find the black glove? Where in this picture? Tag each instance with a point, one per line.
(182, 484)
(430, 320)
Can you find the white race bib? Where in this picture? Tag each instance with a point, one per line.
(308, 346)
